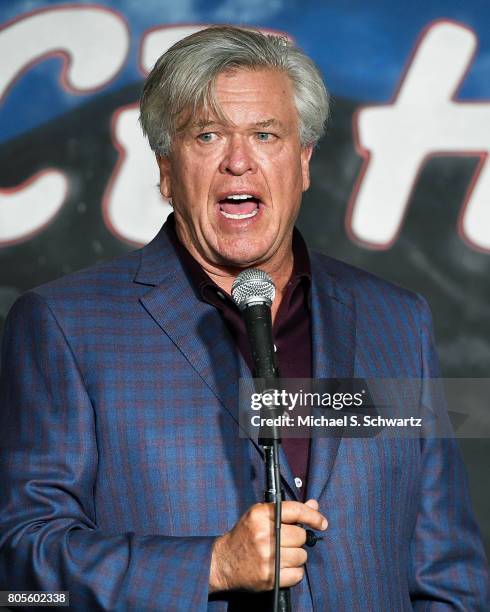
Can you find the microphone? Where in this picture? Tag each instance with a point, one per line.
(253, 292)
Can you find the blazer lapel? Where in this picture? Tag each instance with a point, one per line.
(333, 341)
(195, 327)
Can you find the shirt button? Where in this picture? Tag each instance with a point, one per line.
(298, 482)
(275, 348)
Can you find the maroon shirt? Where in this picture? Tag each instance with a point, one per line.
(291, 330)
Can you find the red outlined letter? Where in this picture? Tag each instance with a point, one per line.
(94, 43)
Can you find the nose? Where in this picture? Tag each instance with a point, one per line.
(238, 157)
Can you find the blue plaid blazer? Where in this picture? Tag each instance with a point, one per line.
(121, 459)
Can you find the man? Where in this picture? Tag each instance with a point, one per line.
(124, 478)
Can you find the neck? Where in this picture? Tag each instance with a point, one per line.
(280, 276)
(279, 267)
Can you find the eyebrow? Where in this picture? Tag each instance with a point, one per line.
(204, 123)
(268, 123)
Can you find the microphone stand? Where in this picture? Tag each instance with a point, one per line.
(258, 327)
(274, 494)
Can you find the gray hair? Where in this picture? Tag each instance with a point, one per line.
(183, 79)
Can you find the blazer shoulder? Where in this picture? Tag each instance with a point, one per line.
(361, 284)
(83, 295)
(105, 278)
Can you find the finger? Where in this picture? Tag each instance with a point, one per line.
(296, 512)
(312, 503)
(291, 576)
(293, 557)
(292, 536)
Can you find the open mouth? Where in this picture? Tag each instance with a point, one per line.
(239, 206)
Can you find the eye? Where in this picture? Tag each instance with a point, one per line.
(264, 136)
(206, 137)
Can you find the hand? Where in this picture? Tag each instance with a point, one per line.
(243, 558)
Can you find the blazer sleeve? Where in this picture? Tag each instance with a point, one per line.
(49, 538)
(448, 568)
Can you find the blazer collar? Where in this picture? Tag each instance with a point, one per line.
(158, 261)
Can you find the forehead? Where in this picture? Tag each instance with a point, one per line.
(246, 80)
(254, 87)
(262, 97)
(257, 97)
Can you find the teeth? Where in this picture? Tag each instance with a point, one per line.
(243, 196)
(234, 216)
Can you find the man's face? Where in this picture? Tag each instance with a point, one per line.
(214, 165)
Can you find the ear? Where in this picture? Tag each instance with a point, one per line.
(165, 182)
(306, 153)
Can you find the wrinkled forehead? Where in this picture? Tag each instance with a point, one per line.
(207, 111)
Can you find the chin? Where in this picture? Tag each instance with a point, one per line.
(240, 252)
(241, 258)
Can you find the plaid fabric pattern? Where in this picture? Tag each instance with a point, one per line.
(120, 458)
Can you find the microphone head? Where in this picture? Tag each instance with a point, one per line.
(253, 286)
